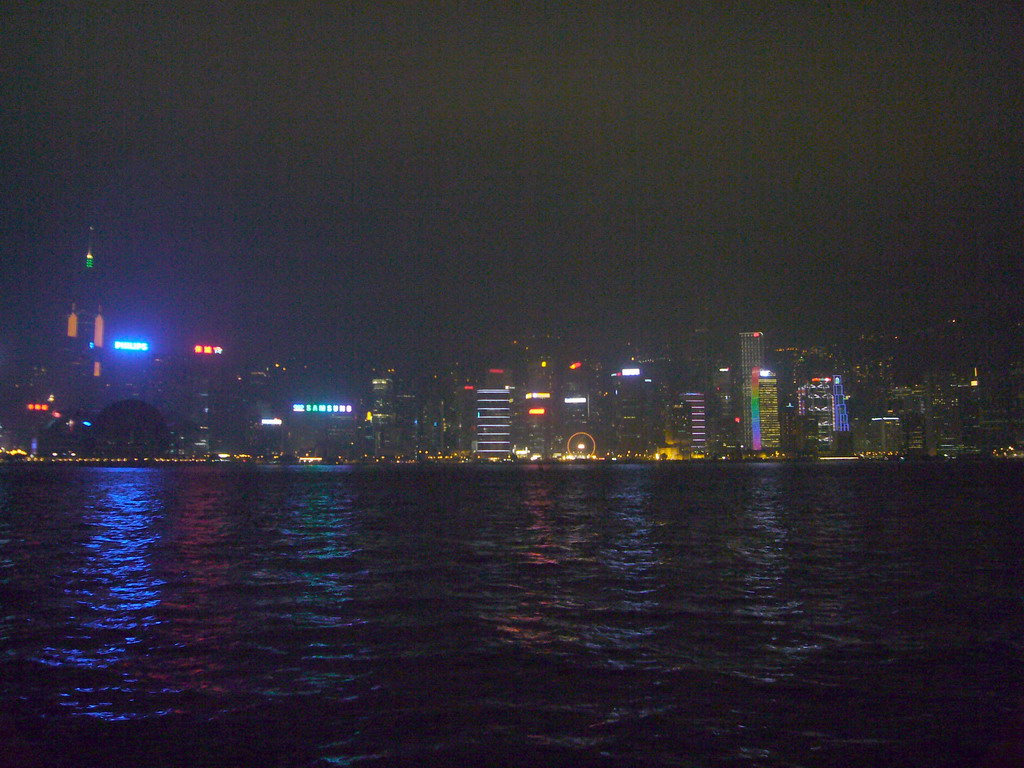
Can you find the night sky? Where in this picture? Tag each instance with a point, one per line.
(409, 180)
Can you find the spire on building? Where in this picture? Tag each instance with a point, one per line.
(88, 251)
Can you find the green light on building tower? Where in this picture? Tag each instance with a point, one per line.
(88, 252)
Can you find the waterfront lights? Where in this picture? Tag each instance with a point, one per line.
(132, 346)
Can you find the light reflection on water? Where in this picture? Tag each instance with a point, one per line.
(711, 612)
(114, 591)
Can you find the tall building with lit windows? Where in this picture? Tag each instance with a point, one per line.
(751, 362)
(494, 416)
(759, 388)
(822, 402)
(698, 422)
(84, 338)
(771, 432)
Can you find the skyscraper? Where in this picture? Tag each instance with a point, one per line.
(698, 422)
(760, 391)
(494, 416)
(822, 400)
(751, 362)
(84, 337)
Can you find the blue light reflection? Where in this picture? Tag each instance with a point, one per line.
(114, 592)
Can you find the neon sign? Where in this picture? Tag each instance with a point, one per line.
(39, 406)
(538, 395)
(132, 346)
(271, 422)
(630, 372)
(537, 411)
(320, 408)
(205, 349)
(574, 400)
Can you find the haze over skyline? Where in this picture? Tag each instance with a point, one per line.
(405, 177)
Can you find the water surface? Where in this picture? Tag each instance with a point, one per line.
(720, 614)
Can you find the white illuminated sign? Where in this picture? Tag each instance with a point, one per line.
(575, 400)
(271, 422)
(321, 408)
(132, 346)
(630, 371)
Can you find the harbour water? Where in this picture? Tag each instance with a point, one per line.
(817, 614)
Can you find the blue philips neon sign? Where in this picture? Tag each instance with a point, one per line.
(132, 346)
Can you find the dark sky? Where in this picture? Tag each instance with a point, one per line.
(396, 178)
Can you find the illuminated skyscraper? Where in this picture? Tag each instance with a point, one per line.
(751, 351)
(751, 363)
(494, 416)
(760, 390)
(823, 399)
(382, 417)
(84, 338)
(771, 434)
(698, 422)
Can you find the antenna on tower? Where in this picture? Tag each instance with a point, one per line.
(88, 252)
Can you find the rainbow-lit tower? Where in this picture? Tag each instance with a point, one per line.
(759, 387)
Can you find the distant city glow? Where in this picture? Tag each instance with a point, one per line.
(205, 349)
(320, 408)
(132, 346)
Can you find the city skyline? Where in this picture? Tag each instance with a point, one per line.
(95, 396)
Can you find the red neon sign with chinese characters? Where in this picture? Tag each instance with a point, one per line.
(206, 349)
